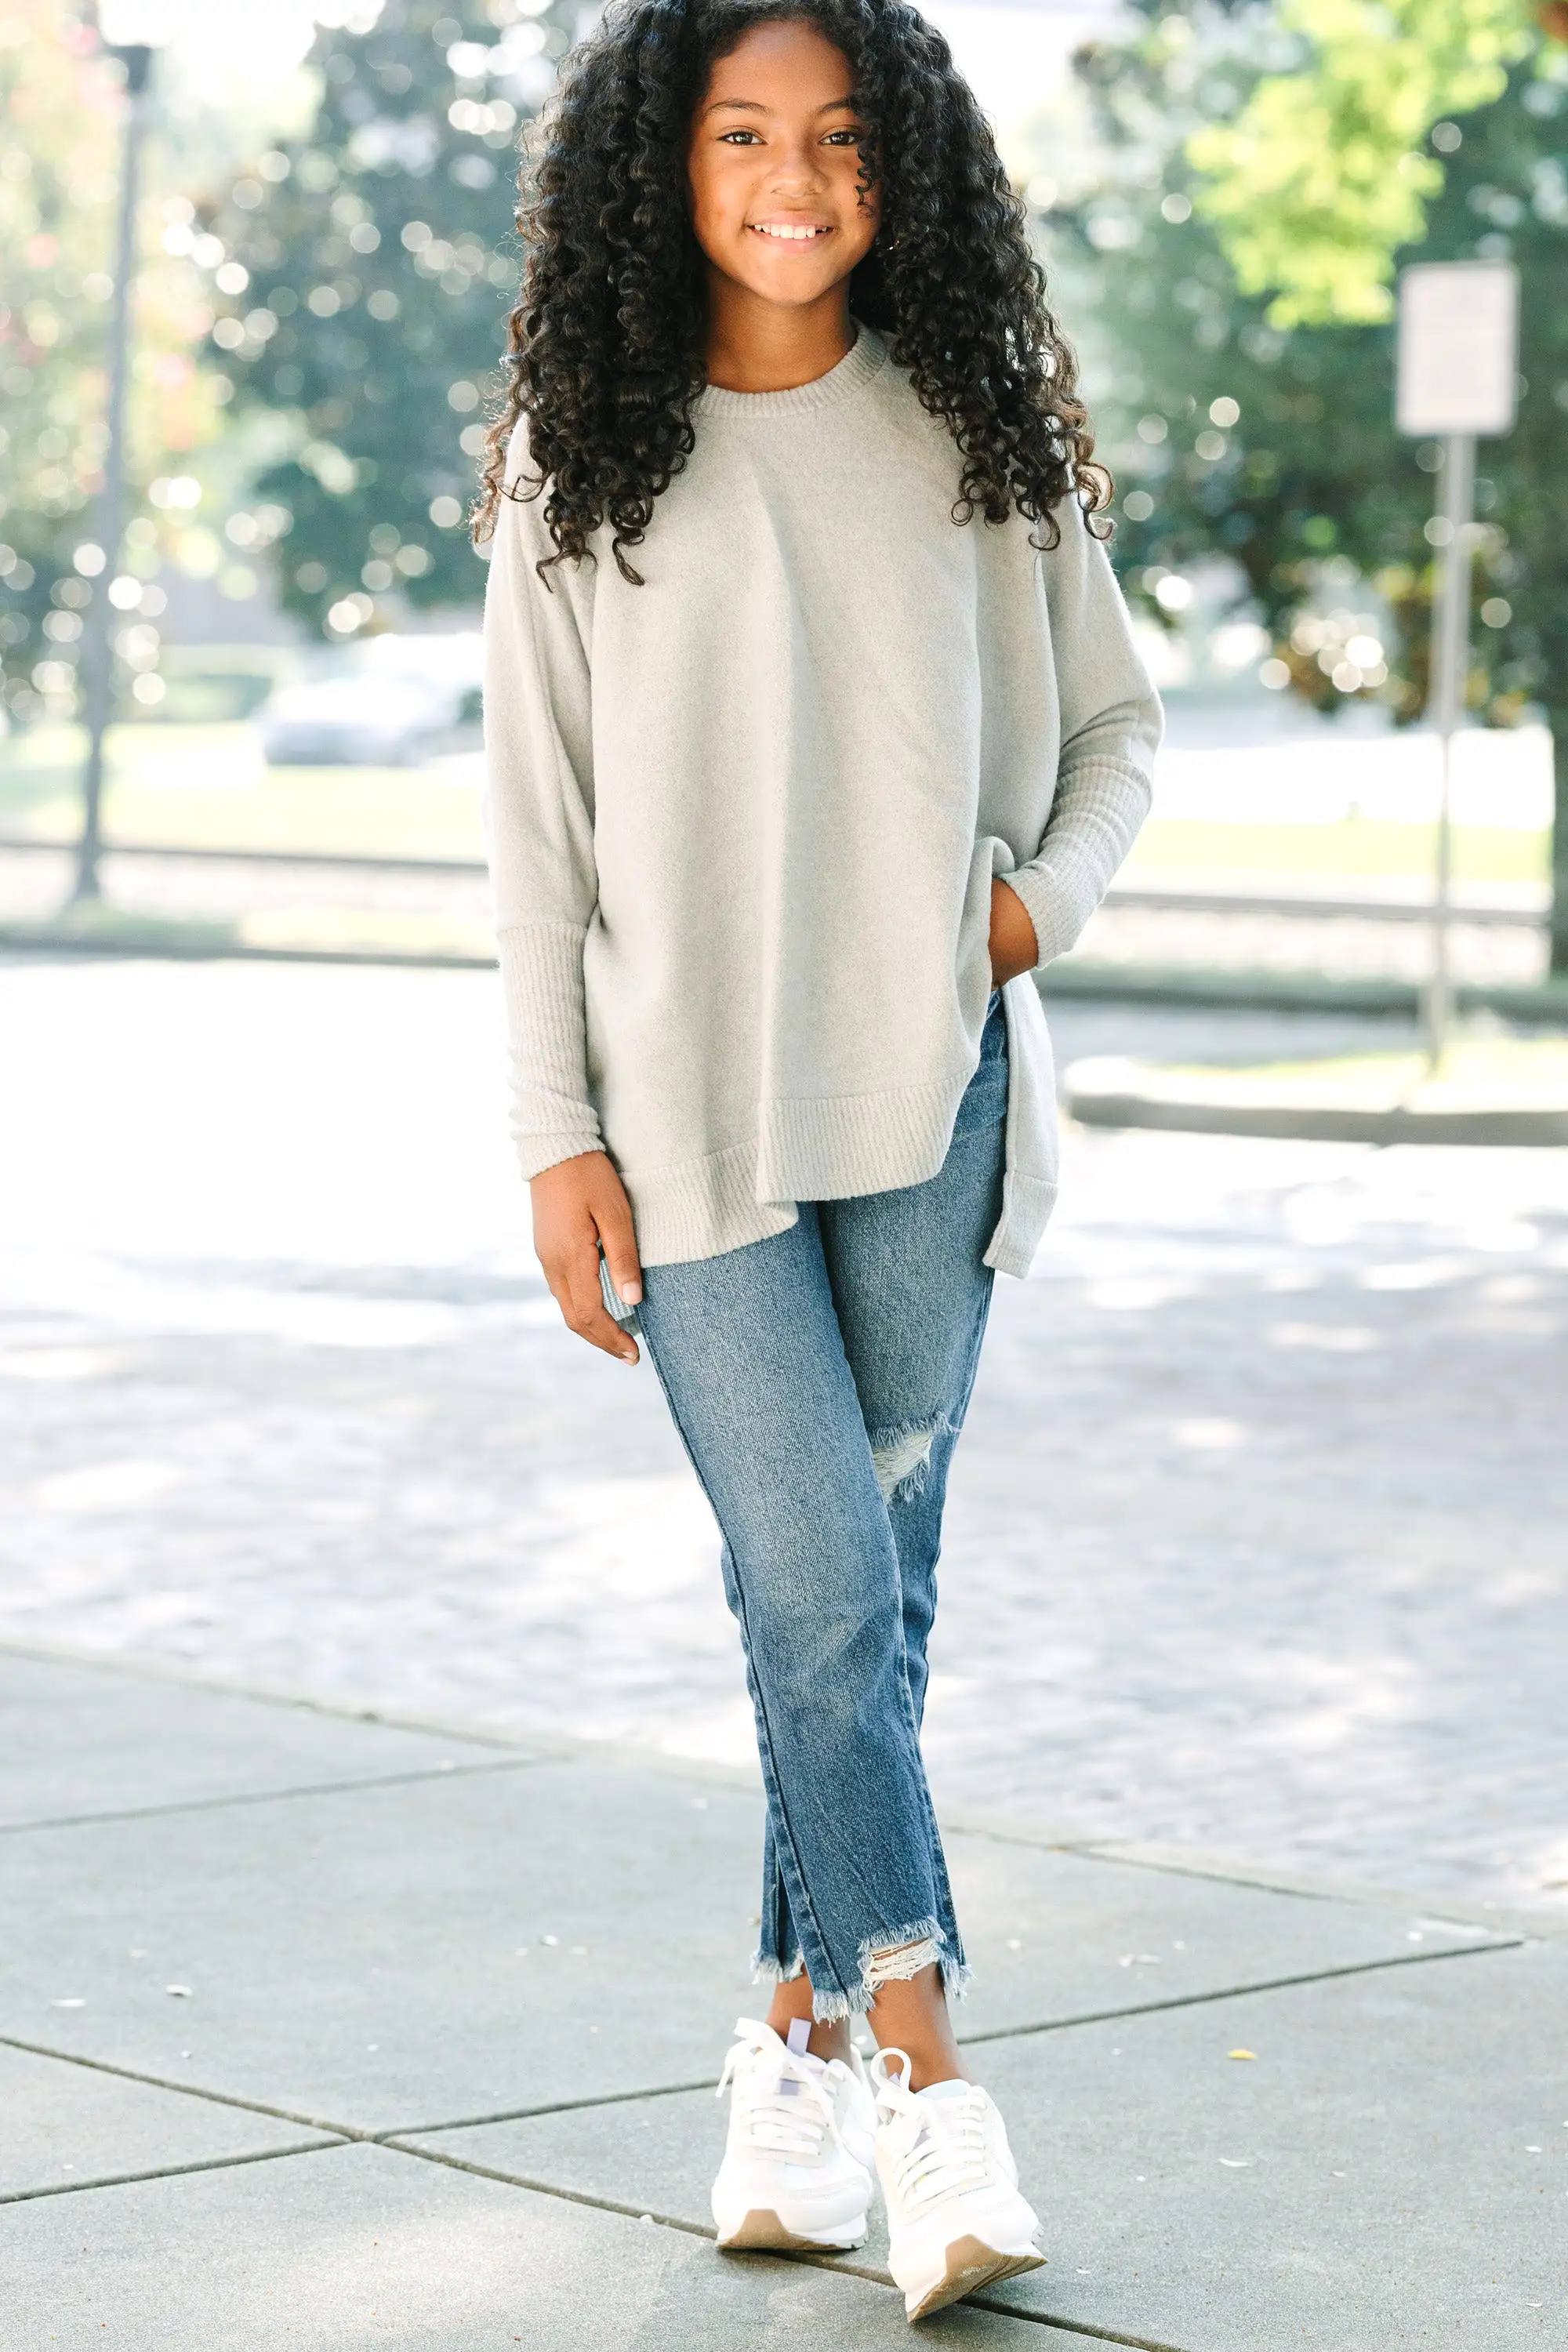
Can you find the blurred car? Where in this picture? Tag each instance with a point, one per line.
(404, 698)
(453, 657)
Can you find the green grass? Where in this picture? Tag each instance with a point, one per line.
(1358, 845)
(205, 787)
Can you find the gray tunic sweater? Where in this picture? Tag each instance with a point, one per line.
(743, 820)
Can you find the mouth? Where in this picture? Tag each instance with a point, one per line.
(791, 232)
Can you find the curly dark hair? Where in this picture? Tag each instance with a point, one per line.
(606, 353)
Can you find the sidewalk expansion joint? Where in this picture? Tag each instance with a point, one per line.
(545, 2188)
(165, 2171)
(835, 2264)
(274, 1796)
(187, 2090)
(139, 1668)
(1265, 1882)
(1238, 1992)
(1081, 2327)
(1104, 1849)
(966, 2041)
(550, 2107)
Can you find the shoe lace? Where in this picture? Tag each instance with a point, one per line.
(940, 2149)
(785, 2105)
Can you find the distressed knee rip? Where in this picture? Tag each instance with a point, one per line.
(901, 1457)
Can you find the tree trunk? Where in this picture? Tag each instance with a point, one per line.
(1558, 723)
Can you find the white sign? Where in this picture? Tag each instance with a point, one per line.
(1458, 334)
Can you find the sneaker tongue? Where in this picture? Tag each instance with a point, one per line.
(956, 2090)
(790, 2087)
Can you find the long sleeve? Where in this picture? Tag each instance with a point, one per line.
(1112, 724)
(538, 811)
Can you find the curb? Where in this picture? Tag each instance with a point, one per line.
(1269, 991)
(191, 948)
(1103, 1093)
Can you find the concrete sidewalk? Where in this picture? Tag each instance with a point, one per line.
(326, 2031)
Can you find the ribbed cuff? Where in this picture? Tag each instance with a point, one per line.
(553, 1117)
(1099, 805)
(1059, 897)
(536, 1152)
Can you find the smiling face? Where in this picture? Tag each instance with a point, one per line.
(774, 169)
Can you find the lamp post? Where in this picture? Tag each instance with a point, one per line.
(132, 30)
(1459, 337)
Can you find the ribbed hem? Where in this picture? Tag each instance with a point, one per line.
(864, 360)
(1026, 1205)
(832, 1148)
(542, 981)
(838, 1147)
(703, 1208)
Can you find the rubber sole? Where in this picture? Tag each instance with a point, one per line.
(971, 2264)
(760, 2231)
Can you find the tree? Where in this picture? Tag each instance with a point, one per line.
(1325, 173)
(1275, 445)
(60, 97)
(379, 263)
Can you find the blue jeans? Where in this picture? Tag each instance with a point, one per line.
(819, 1380)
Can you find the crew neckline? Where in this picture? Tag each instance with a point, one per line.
(864, 359)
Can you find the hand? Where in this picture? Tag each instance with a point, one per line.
(578, 1205)
(1014, 947)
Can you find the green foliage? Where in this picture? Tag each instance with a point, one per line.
(381, 263)
(1276, 448)
(1322, 177)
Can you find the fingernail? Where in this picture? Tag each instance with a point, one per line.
(632, 1295)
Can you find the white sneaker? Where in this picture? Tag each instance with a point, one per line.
(955, 2218)
(797, 2168)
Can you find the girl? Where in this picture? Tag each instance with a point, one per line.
(814, 729)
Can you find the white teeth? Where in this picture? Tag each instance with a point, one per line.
(768, 228)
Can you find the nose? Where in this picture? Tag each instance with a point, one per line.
(798, 168)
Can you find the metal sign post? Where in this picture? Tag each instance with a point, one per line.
(1458, 334)
(96, 649)
(131, 30)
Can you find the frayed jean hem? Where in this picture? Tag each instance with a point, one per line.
(892, 1959)
(767, 1969)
